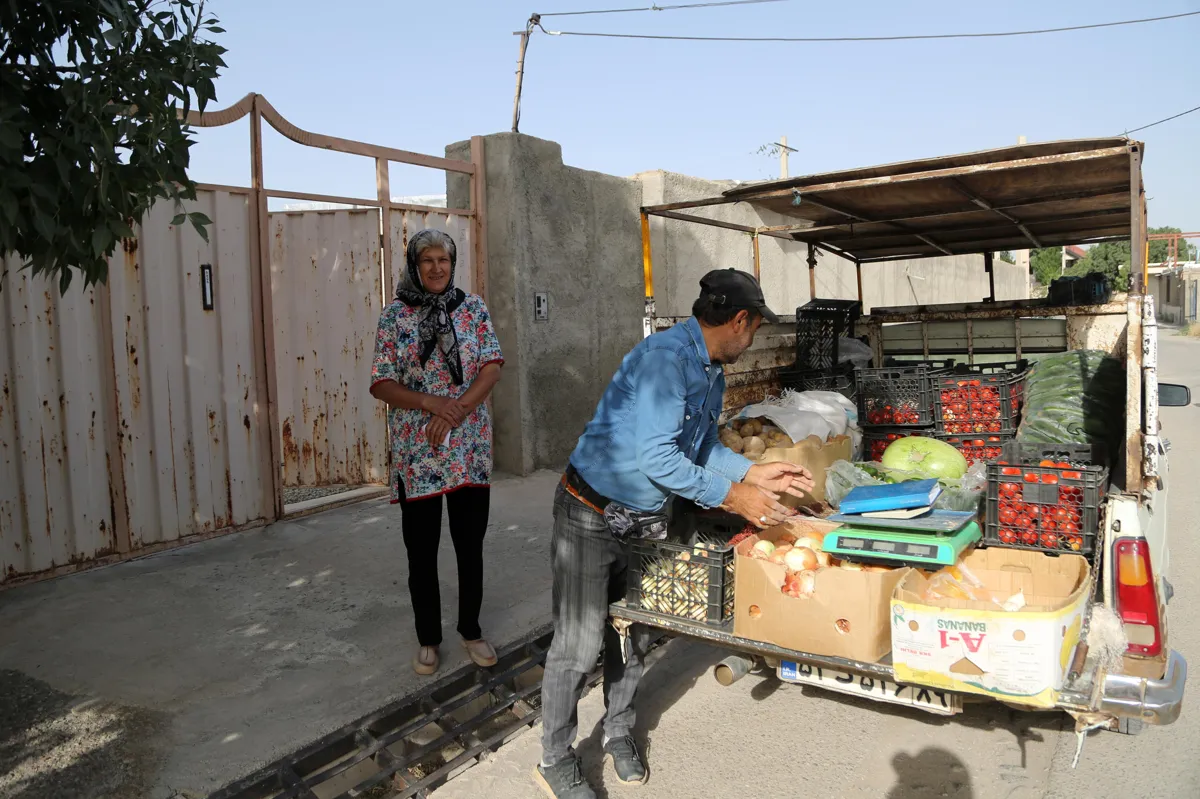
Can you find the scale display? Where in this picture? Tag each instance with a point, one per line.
(898, 547)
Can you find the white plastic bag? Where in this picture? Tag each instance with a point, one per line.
(851, 350)
(801, 414)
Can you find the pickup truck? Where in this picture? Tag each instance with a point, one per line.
(1133, 542)
(1044, 194)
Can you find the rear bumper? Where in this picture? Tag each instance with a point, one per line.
(1152, 701)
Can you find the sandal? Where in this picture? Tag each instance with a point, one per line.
(481, 652)
(426, 661)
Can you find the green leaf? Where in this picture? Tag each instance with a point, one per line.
(64, 279)
(8, 204)
(178, 219)
(216, 29)
(101, 239)
(199, 218)
(113, 37)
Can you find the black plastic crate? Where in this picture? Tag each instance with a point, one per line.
(1035, 452)
(896, 396)
(714, 527)
(980, 400)
(820, 325)
(877, 439)
(840, 380)
(1046, 508)
(689, 581)
(944, 363)
(977, 447)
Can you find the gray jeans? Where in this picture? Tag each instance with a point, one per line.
(589, 573)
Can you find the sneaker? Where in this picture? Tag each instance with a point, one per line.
(626, 760)
(564, 780)
(427, 661)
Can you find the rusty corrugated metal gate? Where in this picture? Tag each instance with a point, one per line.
(180, 399)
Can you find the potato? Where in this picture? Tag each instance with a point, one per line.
(751, 427)
(784, 440)
(753, 447)
(736, 425)
(731, 439)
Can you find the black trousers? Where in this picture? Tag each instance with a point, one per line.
(422, 525)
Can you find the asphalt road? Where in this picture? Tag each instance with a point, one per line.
(762, 738)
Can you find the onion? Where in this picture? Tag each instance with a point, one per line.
(813, 540)
(763, 549)
(925, 456)
(808, 583)
(824, 559)
(851, 566)
(800, 559)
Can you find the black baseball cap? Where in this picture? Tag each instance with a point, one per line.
(730, 288)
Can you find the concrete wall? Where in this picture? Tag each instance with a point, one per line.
(683, 251)
(575, 235)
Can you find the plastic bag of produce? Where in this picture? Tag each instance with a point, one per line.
(801, 414)
(1075, 397)
(963, 494)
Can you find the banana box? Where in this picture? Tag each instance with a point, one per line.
(1021, 654)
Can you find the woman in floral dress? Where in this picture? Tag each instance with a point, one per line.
(436, 361)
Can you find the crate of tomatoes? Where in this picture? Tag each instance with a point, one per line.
(877, 439)
(976, 448)
(1045, 497)
(980, 399)
(897, 396)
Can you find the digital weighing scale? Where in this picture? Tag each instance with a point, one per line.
(933, 540)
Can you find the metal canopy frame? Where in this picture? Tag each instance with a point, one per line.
(1078, 191)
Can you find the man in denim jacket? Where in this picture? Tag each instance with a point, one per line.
(654, 436)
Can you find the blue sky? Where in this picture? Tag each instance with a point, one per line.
(420, 75)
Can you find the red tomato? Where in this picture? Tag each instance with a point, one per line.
(1049, 540)
(1007, 516)
(1030, 477)
(1050, 479)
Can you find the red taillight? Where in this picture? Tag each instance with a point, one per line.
(1137, 601)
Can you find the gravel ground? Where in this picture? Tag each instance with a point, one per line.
(53, 744)
(304, 493)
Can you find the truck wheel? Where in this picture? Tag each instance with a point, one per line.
(1127, 726)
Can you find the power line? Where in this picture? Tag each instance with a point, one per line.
(1168, 119)
(659, 8)
(866, 38)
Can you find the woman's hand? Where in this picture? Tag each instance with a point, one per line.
(451, 410)
(436, 431)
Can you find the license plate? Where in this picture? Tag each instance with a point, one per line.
(869, 687)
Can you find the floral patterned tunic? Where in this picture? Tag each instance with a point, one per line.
(467, 461)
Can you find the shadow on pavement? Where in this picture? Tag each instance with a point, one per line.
(55, 744)
(667, 680)
(930, 774)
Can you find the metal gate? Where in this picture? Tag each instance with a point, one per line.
(132, 413)
(1193, 285)
(178, 400)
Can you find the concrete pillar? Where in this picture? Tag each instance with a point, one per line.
(575, 236)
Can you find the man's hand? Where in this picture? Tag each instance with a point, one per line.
(436, 431)
(448, 408)
(781, 478)
(757, 505)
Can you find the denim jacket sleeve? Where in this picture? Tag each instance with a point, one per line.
(661, 392)
(718, 458)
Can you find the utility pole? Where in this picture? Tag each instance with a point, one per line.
(783, 155)
(534, 21)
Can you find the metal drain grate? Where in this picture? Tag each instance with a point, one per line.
(415, 744)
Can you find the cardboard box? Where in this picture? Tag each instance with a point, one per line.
(975, 647)
(847, 615)
(815, 455)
